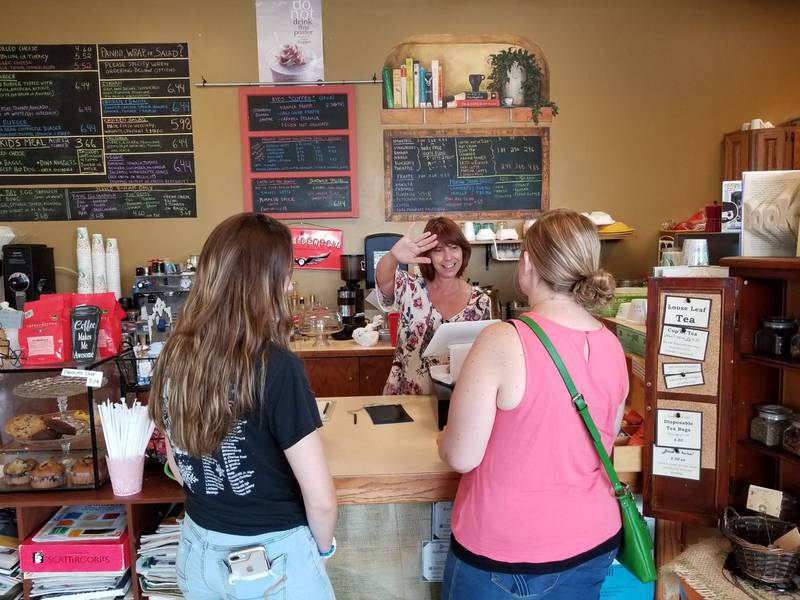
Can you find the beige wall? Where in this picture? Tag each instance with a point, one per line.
(646, 90)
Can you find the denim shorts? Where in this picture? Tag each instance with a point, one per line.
(297, 570)
(583, 582)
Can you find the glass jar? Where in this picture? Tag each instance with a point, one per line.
(791, 437)
(794, 346)
(769, 425)
(774, 336)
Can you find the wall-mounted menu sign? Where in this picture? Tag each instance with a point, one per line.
(466, 172)
(112, 122)
(299, 151)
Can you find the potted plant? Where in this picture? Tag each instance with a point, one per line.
(516, 74)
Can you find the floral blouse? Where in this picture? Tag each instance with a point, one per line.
(418, 321)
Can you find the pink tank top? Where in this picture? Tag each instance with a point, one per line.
(540, 494)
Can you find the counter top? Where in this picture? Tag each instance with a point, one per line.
(386, 463)
(305, 348)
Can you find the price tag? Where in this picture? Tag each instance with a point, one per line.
(93, 378)
(764, 500)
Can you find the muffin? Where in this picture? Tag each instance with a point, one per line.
(82, 472)
(18, 471)
(49, 474)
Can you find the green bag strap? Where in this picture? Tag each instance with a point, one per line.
(580, 405)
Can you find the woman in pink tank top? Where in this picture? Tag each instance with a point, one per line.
(535, 515)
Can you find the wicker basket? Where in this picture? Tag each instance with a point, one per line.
(750, 537)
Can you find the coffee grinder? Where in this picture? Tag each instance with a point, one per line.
(350, 297)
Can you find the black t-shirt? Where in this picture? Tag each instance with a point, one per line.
(247, 486)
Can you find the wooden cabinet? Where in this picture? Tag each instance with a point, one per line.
(372, 374)
(772, 149)
(757, 287)
(332, 376)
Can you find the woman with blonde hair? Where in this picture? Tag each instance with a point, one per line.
(242, 425)
(535, 514)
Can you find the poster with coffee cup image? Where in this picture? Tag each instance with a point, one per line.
(84, 327)
(289, 40)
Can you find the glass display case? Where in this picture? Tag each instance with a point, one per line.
(50, 431)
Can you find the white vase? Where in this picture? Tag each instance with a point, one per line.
(513, 88)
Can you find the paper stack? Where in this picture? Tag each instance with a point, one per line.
(157, 553)
(80, 586)
(10, 578)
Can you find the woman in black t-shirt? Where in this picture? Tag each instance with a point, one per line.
(242, 424)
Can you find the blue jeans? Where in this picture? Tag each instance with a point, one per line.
(464, 582)
(297, 570)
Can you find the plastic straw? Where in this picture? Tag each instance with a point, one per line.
(127, 430)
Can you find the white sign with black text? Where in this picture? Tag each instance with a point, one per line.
(685, 311)
(679, 429)
(678, 375)
(434, 555)
(676, 462)
(683, 342)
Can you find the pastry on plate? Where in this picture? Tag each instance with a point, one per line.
(49, 474)
(82, 472)
(60, 425)
(25, 427)
(18, 471)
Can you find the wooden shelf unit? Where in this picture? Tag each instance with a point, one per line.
(777, 453)
(459, 116)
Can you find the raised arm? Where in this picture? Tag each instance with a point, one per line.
(406, 250)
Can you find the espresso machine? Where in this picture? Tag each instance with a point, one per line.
(350, 297)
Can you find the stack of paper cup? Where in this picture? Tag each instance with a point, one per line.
(112, 267)
(99, 264)
(84, 254)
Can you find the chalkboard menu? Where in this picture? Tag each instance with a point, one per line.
(93, 131)
(299, 151)
(472, 173)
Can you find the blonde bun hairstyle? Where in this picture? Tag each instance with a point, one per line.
(565, 251)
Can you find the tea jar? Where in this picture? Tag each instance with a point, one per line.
(774, 336)
(794, 346)
(769, 425)
(791, 437)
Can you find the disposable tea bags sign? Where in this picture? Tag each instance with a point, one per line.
(679, 429)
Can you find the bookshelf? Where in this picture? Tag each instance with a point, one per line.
(516, 116)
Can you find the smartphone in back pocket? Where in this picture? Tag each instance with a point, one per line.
(249, 563)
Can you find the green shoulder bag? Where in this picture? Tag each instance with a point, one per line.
(636, 551)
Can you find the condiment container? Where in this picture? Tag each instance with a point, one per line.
(774, 336)
(769, 425)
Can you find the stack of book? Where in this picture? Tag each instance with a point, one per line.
(81, 553)
(471, 99)
(414, 85)
(10, 578)
(156, 562)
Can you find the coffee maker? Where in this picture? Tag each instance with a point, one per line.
(350, 297)
(28, 272)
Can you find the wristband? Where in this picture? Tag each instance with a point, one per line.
(331, 551)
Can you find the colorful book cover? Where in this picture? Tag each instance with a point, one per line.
(403, 87)
(84, 522)
(435, 83)
(474, 103)
(410, 82)
(75, 556)
(388, 92)
(396, 87)
(422, 100)
(429, 89)
(416, 84)
(440, 88)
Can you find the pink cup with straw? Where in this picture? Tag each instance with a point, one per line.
(126, 475)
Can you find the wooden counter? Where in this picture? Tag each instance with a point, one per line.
(305, 349)
(379, 464)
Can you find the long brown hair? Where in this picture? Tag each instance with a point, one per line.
(206, 373)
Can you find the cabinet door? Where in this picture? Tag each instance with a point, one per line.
(689, 398)
(372, 374)
(772, 151)
(736, 155)
(332, 376)
(794, 141)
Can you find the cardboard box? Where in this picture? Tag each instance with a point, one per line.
(633, 340)
(627, 459)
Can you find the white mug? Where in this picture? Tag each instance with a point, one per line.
(469, 231)
(757, 124)
(695, 253)
(638, 310)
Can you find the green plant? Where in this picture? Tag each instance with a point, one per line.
(503, 61)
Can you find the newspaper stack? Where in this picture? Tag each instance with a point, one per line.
(157, 553)
(79, 586)
(10, 578)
